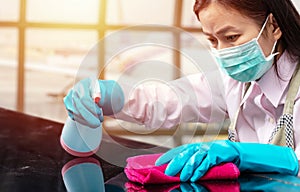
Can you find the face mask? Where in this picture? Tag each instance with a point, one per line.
(245, 62)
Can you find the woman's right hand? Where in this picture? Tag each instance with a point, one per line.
(82, 108)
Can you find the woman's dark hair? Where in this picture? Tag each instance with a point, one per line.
(284, 12)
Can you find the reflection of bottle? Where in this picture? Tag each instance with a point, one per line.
(83, 174)
(80, 140)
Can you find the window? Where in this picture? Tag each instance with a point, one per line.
(63, 11)
(131, 12)
(9, 10)
(53, 58)
(46, 44)
(189, 18)
(129, 53)
(8, 65)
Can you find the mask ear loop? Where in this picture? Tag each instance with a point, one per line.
(263, 27)
(273, 49)
(261, 31)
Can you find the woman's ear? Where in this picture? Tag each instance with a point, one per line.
(276, 31)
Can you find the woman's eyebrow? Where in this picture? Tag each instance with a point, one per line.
(225, 29)
(220, 31)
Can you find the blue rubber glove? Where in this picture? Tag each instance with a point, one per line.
(82, 108)
(194, 160)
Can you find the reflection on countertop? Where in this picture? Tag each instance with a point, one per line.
(32, 160)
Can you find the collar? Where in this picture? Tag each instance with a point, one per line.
(274, 87)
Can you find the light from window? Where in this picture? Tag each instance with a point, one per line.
(140, 12)
(8, 67)
(9, 10)
(67, 11)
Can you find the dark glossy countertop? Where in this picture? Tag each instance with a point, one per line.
(31, 159)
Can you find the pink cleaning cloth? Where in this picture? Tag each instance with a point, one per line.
(142, 169)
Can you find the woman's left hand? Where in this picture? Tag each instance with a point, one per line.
(194, 160)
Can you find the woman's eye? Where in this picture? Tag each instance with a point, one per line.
(212, 41)
(232, 37)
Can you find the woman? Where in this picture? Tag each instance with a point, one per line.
(256, 43)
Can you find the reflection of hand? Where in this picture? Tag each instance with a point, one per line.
(211, 186)
(81, 106)
(194, 160)
(269, 182)
(186, 187)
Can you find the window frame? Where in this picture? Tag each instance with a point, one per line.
(101, 27)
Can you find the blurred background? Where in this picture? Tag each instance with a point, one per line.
(43, 44)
